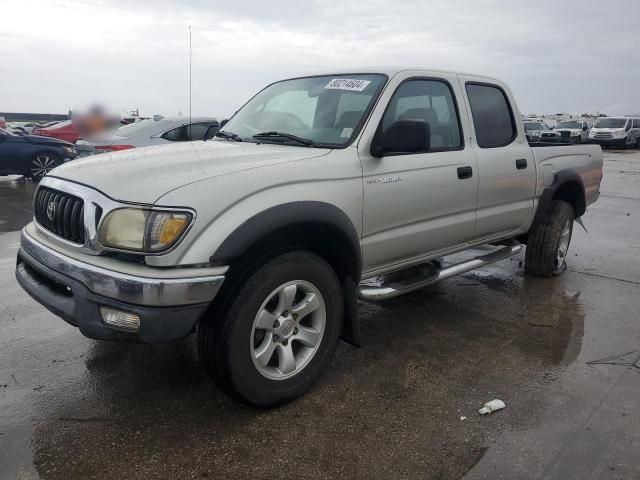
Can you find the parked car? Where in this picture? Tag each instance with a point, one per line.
(16, 130)
(26, 126)
(158, 130)
(540, 132)
(31, 155)
(574, 131)
(617, 132)
(318, 190)
(64, 131)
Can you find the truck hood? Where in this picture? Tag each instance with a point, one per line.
(142, 175)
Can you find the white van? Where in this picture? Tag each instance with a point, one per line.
(620, 132)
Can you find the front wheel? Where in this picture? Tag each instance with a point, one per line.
(549, 241)
(41, 164)
(278, 332)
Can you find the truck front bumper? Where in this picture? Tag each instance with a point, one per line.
(168, 308)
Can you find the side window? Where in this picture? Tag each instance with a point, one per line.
(492, 116)
(175, 135)
(196, 131)
(636, 123)
(431, 102)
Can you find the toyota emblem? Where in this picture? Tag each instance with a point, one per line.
(51, 210)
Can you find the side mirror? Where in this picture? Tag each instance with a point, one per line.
(402, 136)
(223, 122)
(211, 132)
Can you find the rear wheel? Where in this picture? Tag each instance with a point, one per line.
(41, 164)
(278, 332)
(549, 241)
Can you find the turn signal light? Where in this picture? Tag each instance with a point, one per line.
(119, 320)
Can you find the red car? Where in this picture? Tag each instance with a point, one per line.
(63, 131)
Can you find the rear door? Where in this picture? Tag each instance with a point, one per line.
(506, 166)
(418, 203)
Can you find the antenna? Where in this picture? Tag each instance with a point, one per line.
(190, 55)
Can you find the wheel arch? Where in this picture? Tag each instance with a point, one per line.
(567, 186)
(316, 226)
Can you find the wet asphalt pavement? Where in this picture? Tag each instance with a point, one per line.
(71, 407)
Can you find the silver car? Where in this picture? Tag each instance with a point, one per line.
(158, 130)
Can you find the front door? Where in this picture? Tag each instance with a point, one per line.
(419, 203)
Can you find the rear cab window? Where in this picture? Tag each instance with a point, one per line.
(493, 118)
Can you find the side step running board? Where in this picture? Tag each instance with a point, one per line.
(396, 288)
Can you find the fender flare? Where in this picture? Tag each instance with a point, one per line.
(277, 217)
(560, 178)
(274, 218)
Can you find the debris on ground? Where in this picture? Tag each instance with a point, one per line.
(492, 406)
(463, 418)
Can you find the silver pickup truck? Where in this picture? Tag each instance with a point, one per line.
(320, 190)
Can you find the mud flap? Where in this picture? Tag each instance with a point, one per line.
(350, 326)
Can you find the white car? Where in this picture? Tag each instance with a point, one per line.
(574, 131)
(616, 132)
(158, 130)
(26, 126)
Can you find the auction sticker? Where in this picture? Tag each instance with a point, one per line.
(347, 84)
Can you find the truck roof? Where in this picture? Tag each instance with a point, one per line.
(391, 71)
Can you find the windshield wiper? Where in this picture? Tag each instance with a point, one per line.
(228, 135)
(286, 136)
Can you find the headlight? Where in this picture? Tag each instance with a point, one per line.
(142, 230)
(619, 133)
(575, 133)
(69, 150)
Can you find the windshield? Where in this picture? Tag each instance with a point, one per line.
(533, 126)
(569, 125)
(611, 123)
(327, 111)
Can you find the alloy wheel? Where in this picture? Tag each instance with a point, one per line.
(288, 330)
(41, 165)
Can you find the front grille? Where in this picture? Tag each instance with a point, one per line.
(60, 213)
(549, 135)
(602, 135)
(565, 134)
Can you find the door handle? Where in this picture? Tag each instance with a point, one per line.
(521, 163)
(465, 172)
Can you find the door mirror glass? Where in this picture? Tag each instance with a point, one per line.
(402, 136)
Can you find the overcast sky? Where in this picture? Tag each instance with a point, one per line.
(557, 56)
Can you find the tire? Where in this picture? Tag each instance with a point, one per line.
(549, 241)
(42, 163)
(259, 349)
